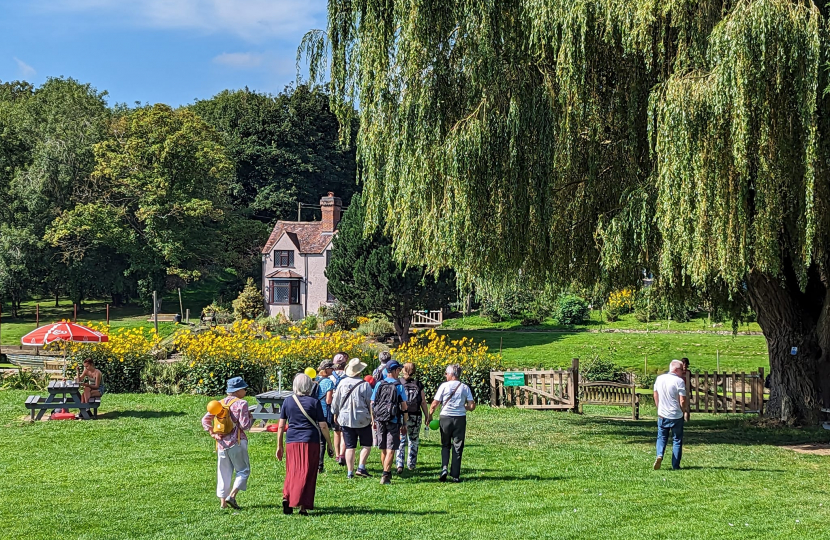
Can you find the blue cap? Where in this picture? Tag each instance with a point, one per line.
(393, 365)
(236, 383)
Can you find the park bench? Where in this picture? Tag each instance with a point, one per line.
(208, 319)
(610, 393)
(164, 317)
(36, 404)
(27, 361)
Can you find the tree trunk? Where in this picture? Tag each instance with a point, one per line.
(402, 323)
(795, 325)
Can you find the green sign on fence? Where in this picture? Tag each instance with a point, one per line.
(514, 378)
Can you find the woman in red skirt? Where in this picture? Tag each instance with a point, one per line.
(303, 416)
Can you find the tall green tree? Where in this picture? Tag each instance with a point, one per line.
(364, 275)
(285, 149)
(590, 140)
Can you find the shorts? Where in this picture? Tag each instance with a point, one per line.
(354, 435)
(334, 425)
(388, 436)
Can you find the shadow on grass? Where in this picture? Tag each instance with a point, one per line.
(734, 431)
(350, 510)
(112, 415)
(481, 475)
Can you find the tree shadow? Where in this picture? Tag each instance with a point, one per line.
(477, 475)
(733, 431)
(112, 415)
(350, 510)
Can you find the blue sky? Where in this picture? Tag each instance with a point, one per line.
(157, 51)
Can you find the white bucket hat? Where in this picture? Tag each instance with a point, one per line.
(354, 367)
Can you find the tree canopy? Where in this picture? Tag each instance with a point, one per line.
(594, 139)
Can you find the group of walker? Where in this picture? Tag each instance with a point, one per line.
(383, 410)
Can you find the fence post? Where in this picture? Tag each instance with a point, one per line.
(575, 384)
(761, 386)
(493, 395)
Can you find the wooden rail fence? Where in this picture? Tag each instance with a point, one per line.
(722, 392)
(544, 389)
(610, 393)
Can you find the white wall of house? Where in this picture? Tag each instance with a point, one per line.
(313, 285)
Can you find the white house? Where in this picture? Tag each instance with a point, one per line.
(294, 261)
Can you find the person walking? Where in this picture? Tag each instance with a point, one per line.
(352, 411)
(339, 360)
(389, 414)
(417, 410)
(325, 393)
(455, 399)
(380, 372)
(672, 412)
(232, 447)
(303, 425)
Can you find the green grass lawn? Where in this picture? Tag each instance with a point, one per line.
(556, 349)
(146, 470)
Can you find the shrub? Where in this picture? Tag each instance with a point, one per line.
(432, 353)
(571, 309)
(222, 313)
(599, 369)
(342, 315)
(310, 323)
(158, 378)
(278, 324)
(646, 380)
(34, 380)
(376, 327)
(249, 304)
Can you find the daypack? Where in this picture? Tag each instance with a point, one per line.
(337, 379)
(223, 423)
(377, 374)
(387, 405)
(413, 396)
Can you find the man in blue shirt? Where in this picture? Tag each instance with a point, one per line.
(389, 415)
(325, 394)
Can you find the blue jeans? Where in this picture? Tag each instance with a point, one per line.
(675, 426)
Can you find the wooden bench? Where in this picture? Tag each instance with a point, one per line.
(164, 317)
(208, 319)
(610, 393)
(36, 403)
(27, 361)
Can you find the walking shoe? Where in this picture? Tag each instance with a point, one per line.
(350, 475)
(362, 472)
(658, 462)
(341, 460)
(443, 477)
(321, 469)
(400, 470)
(411, 467)
(386, 478)
(232, 501)
(287, 510)
(455, 480)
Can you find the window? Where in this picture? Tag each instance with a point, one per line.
(329, 297)
(285, 292)
(283, 258)
(328, 257)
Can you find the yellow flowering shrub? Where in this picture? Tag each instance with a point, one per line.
(121, 359)
(257, 355)
(619, 302)
(432, 352)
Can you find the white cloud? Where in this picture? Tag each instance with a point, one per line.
(253, 20)
(25, 69)
(239, 60)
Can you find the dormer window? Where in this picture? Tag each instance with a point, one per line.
(283, 258)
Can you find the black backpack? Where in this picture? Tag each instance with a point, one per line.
(413, 396)
(387, 405)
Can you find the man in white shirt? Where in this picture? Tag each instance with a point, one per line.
(672, 411)
(455, 399)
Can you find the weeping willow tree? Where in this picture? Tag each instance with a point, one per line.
(590, 140)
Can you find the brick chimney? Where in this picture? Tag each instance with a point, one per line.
(332, 209)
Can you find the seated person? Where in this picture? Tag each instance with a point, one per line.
(92, 381)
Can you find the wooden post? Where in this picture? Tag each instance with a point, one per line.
(717, 355)
(37, 315)
(181, 308)
(187, 316)
(575, 385)
(108, 314)
(761, 387)
(1, 324)
(75, 315)
(155, 312)
(493, 395)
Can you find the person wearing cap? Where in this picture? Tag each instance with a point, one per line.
(325, 393)
(352, 410)
(232, 448)
(339, 360)
(388, 431)
(455, 399)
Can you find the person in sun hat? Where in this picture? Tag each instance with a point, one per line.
(325, 393)
(352, 410)
(339, 360)
(232, 448)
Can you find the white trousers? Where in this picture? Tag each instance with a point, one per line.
(232, 459)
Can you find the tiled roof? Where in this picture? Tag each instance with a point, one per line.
(283, 274)
(306, 235)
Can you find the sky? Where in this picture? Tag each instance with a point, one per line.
(157, 51)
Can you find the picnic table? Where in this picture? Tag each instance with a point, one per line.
(62, 395)
(268, 405)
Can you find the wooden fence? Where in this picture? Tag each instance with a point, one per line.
(544, 389)
(427, 318)
(610, 393)
(722, 392)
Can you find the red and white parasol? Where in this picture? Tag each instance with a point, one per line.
(63, 331)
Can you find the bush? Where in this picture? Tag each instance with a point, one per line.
(278, 324)
(612, 314)
(599, 369)
(376, 328)
(249, 304)
(34, 380)
(342, 316)
(432, 353)
(646, 380)
(158, 378)
(221, 311)
(310, 323)
(571, 309)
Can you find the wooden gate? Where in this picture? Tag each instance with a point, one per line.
(427, 318)
(722, 392)
(544, 389)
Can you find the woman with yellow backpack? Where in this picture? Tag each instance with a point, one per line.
(227, 421)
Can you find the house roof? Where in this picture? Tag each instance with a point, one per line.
(283, 274)
(308, 236)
